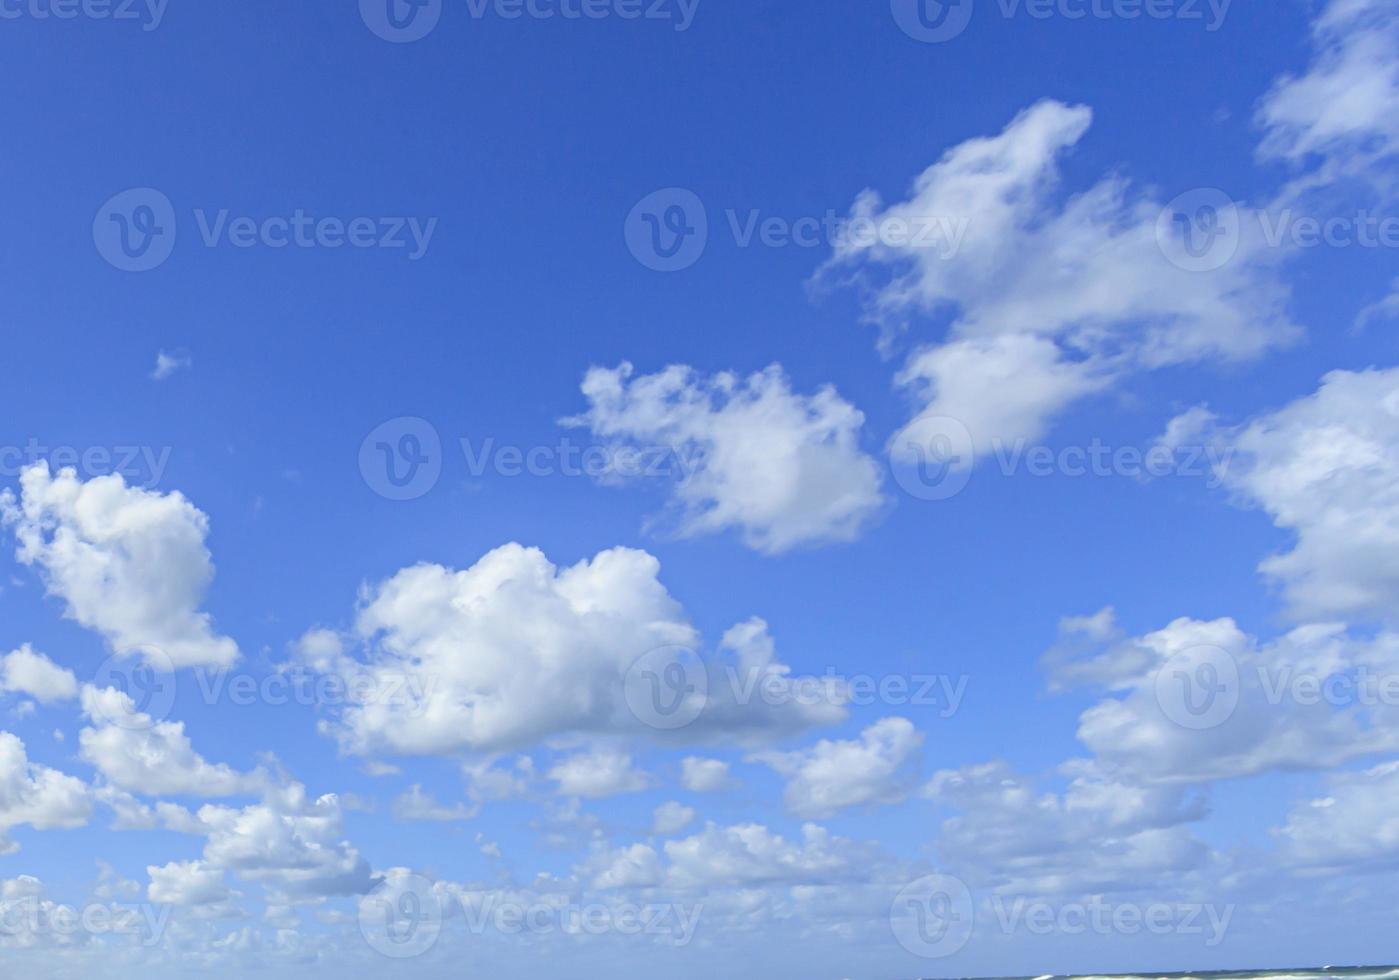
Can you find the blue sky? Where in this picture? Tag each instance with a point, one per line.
(1040, 305)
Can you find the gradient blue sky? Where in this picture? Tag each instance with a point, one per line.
(528, 142)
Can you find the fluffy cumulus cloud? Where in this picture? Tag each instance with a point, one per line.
(743, 856)
(30, 673)
(288, 842)
(1100, 834)
(35, 795)
(1353, 828)
(1048, 300)
(1326, 468)
(1198, 701)
(45, 937)
(598, 774)
(1341, 116)
(831, 776)
(129, 563)
(705, 775)
(671, 818)
(417, 804)
(784, 469)
(515, 651)
(140, 755)
(753, 855)
(187, 883)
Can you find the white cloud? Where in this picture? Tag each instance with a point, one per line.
(745, 856)
(1326, 468)
(1344, 110)
(831, 776)
(1048, 302)
(43, 937)
(1382, 311)
(286, 842)
(1100, 834)
(671, 818)
(25, 671)
(705, 775)
(187, 883)
(509, 652)
(131, 814)
(36, 795)
(130, 563)
(415, 804)
(783, 469)
(751, 854)
(168, 362)
(515, 651)
(1003, 388)
(486, 782)
(1268, 719)
(597, 774)
(1354, 828)
(638, 866)
(148, 757)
